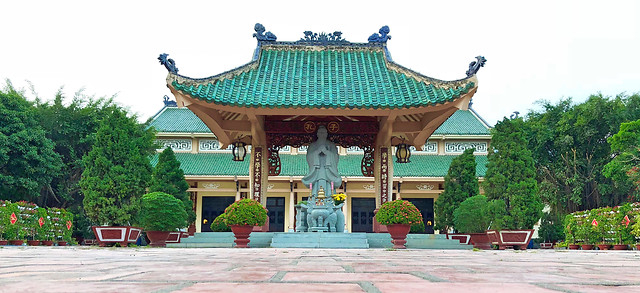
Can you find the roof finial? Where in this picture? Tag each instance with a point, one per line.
(169, 103)
(168, 63)
(383, 37)
(261, 35)
(475, 65)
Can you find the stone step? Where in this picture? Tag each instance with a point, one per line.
(320, 240)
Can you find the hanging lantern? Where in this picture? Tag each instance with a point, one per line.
(239, 151)
(403, 153)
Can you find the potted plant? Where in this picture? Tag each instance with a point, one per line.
(242, 216)
(511, 177)
(635, 230)
(473, 217)
(15, 230)
(550, 230)
(621, 227)
(585, 231)
(398, 216)
(161, 213)
(5, 220)
(29, 218)
(219, 225)
(44, 229)
(601, 220)
(116, 175)
(570, 228)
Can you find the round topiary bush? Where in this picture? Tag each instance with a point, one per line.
(162, 212)
(246, 212)
(398, 212)
(218, 225)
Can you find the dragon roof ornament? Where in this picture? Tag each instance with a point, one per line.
(382, 37)
(263, 36)
(474, 66)
(168, 63)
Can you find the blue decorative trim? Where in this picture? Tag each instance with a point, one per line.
(169, 103)
(261, 35)
(475, 65)
(382, 37)
(311, 38)
(168, 63)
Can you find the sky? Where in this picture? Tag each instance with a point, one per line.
(535, 50)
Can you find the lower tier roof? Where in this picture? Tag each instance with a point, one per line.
(221, 164)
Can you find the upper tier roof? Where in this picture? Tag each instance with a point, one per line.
(321, 73)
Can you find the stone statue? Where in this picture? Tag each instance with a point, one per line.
(320, 213)
(322, 157)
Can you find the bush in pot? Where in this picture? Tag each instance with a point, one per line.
(163, 213)
(219, 225)
(570, 224)
(551, 230)
(474, 216)
(117, 172)
(398, 216)
(635, 229)
(241, 216)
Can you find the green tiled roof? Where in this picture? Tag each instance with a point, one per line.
(462, 123)
(296, 165)
(172, 119)
(323, 77)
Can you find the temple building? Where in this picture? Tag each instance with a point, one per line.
(396, 129)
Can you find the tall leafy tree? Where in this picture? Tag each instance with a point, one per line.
(72, 128)
(511, 175)
(569, 144)
(460, 183)
(624, 169)
(27, 159)
(117, 169)
(169, 178)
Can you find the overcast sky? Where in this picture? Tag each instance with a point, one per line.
(535, 49)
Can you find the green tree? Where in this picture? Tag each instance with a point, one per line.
(27, 159)
(511, 175)
(169, 178)
(117, 169)
(460, 183)
(569, 145)
(624, 169)
(72, 129)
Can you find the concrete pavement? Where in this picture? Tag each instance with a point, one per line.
(93, 269)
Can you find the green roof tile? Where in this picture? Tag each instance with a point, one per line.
(296, 165)
(462, 123)
(296, 77)
(172, 119)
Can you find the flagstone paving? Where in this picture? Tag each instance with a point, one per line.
(93, 269)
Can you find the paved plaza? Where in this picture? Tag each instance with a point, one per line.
(93, 269)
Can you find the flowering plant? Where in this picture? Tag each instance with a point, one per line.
(245, 212)
(339, 198)
(398, 212)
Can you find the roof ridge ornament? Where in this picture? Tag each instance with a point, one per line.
(261, 35)
(382, 37)
(322, 38)
(168, 63)
(168, 102)
(475, 65)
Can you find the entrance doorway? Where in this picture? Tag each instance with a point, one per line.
(425, 206)
(212, 207)
(275, 205)
(362, 214)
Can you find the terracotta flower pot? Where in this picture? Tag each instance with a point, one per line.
(620, 247)
(47, 242)
(33, 242)
(158, 238)
(587, 246)
(4, 242)
(518, 239)
(116, 234)
(480, 240)
(604, 246)
(62, 243)
(574, 246)
(398, 234)
(242, 233)
(16, 242)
